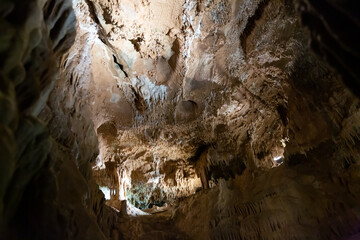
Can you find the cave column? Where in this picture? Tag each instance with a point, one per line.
(111, 170)
(122, 184)
(203, 171)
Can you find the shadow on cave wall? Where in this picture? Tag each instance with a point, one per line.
(41, 186)
(333, 25)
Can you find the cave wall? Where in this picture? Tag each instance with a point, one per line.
(177, 97)
(235, 84)
(47, 190)
(332, 38)
(316, 188)
(243, 87)
(188, 85)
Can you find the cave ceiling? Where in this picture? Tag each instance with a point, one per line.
(208, 119)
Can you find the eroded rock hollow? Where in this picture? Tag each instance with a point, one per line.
(183, 119)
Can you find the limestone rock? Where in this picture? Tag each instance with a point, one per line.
(184, 119)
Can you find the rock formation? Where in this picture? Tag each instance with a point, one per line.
(184, 119)
(47, 190)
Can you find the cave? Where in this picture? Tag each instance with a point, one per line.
(183, 119)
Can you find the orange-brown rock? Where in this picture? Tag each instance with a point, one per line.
(184, 119)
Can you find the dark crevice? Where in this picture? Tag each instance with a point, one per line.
(136, 43)
(48, 9)
(296, 159)
(200, 150)
(261, 155)
(174, 58)
(235, 168)
(347, 162)
(56, 30)
(282, 110)
(107, 16)
(71, 79)
(65, 43)
(92, 12)
(252, 23)
(119, 65)
(94, 17)
(139, 101)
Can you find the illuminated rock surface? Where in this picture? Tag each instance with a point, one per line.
(151, 119)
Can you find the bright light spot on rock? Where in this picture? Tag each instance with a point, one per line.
(106, 192)
(279, 160)
(284, 141)
(99, 164)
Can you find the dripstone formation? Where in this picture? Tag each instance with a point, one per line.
(183, 119)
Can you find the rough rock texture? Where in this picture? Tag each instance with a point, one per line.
(206, 81)
(46, 188)
(217, 118)
(218, 89)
